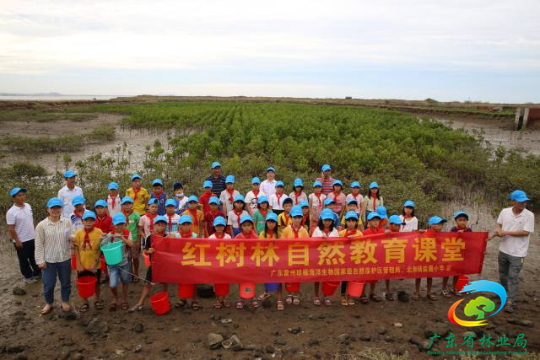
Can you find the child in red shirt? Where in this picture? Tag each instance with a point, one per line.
(246, 223)
(373, 220)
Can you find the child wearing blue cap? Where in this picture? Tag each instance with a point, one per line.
(408, 217)
(259, 217)
(357, 196)
(252, 197)
(372, 200)
(228, 195)
(330, 204)
(351, 231)
(276, 200)
(352, 205)
(285, 219)
(246, 222)
(78, 211)
(120, 272)
(197, 216)
(235, 215)
(271, 231)
(205, 197)
(211, 215)
(139, 194)
(219, 225)
(114, 205)
(316, 204)
(103, 220)
(171, 216)
(159, 195)
(339, 197)
(145, 228)
(304, 205)
(87, 242)
(373, 228)
(68, 192)
(298, 193)
(461, 218)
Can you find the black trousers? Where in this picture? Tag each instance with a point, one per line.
(27, 261)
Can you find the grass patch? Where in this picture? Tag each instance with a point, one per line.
(43, 116)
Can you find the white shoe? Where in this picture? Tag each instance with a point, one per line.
(31, 280)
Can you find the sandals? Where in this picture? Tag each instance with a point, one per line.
(46, 309)
(263, 296)
(113, 307)
(455, 292)
(136, 308)
(124, 306)
(218, 304)
(432, 297)
(289, 300)
(415, 296)
(375, 297)
(240, 304)
(352, 302)
(296, 300)
(180, 304)
(344, 301)
(327, 302)
(446, 293)
(364, 299)
(255, 304)
(195, 305)
(316, 301)
(84, 307)
(98, 304)
(280, 305)
(389, 296)
(226, 302)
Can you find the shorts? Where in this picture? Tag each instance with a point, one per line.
(89, 273)
(119, 273)
(135, 250)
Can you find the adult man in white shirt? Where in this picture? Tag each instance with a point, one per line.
(20, 221)
(68, 192)
(268, 186)
(514, 226)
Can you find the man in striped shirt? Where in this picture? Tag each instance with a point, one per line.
(217, 179)
(326, 180)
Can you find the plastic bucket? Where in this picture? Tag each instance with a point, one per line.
(222, 289)
(73, 262)
(147, 262)
(271, 287)
(355, 289)
(160, 303)
(292, 287)
(86, 286)
(112, 253)
(247, 290)
(462, 281)
(186, 291)
(329, 288)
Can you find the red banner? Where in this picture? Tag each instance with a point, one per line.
(378, 257)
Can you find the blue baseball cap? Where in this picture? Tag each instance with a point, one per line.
(213, 200)
(220, 220)
(229, 179)
(337, 182)
(372, 215)
(78, 200)
(395, 219)
(519, 196)
(119, 219)
(161, 218)
(409, 203)
(434, 220)
(16, 190)
(101, 203)
(157, 182)
(262, 199)
(270, 168)
(113, 186)
(127, 199)
(298, 182)
(355, 184)
(89, 215)
(245, 218)
(255, 180)
(279, 184)
(216, 164)
(352, 201)
(328, 201)
(170, 202)
(317, 184)
(207, 184)
(296, 211)
(185, 219)
(193, 198)
(303, 204)
(239, 198)
(351, 215)
(135, 177)
(54, 202)
(374, 185)
(381, 210)
(272, 217)
(461, 213)
(326, 167)
(327, 214)
(153, 201)
(69, 174)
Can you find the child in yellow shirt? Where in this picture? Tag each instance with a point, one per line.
(139, 194)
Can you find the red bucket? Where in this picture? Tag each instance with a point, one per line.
(146, 260)
(247, 290)
(292, 287)
(73, 262)
(186, 291)
(222, 289)
(355, 289)
(462, 281)
(86, 286)
(329, 288)
(160, 303)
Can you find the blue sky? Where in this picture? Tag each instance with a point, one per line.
(459, 50)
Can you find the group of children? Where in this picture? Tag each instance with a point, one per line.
(138, 217)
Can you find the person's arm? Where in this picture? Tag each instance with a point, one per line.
(15, 237)
(124, 238)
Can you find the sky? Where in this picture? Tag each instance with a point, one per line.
(452, 50)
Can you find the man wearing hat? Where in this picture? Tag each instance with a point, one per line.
(68, 192)
(217, 179)
(268, 186)
(514, 226)
(326, 180)
(21, 229)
